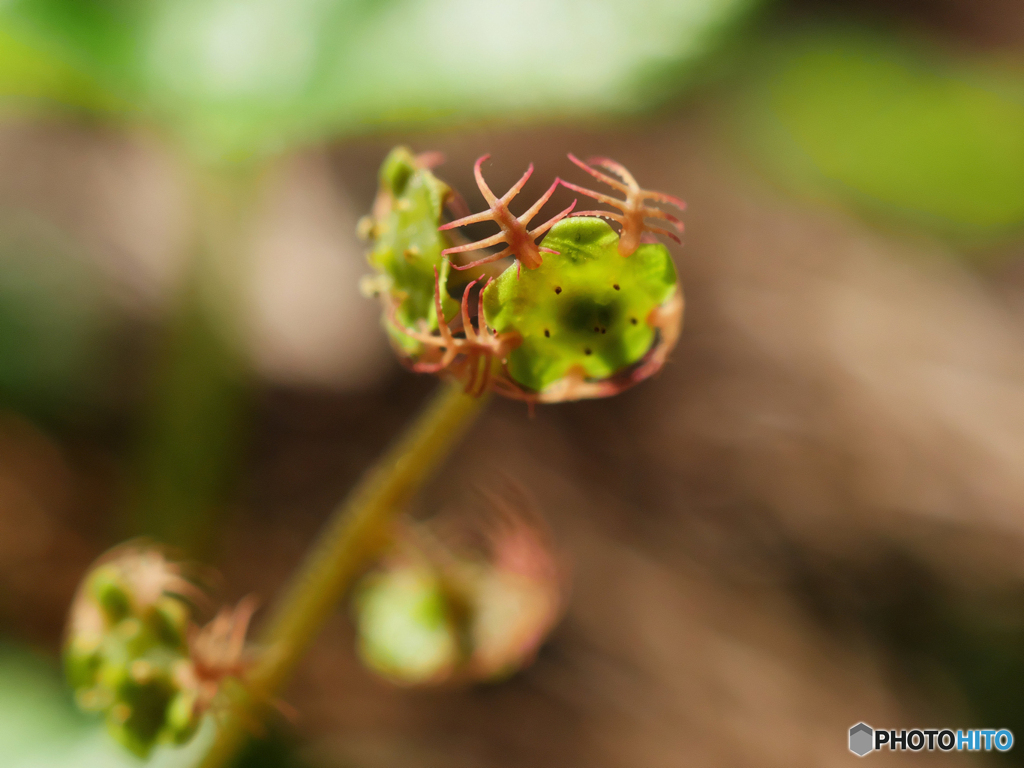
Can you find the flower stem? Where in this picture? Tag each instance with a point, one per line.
(356, 531)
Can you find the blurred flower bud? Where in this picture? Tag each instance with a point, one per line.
(517, 600)
(133, 653)
(126, 636)
(438, 610)
(406, 628)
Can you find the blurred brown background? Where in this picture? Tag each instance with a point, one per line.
(813, 516)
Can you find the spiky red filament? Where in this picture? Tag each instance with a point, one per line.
(470, 357)
(634, 208)
(518, 239)
(217, 650)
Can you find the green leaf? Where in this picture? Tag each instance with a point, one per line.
(902, 132)
(31, 77)
(234, 76)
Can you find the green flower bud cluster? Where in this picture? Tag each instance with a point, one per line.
(131, 649)
(586, 312)
(430, 614)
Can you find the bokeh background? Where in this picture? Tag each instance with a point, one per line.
(813, 516)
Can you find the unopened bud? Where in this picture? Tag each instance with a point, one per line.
(406, 630)
(434, 613)
(133, 652)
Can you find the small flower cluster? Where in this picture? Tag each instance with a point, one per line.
(440, 612)
(587, 312)
(133, 653)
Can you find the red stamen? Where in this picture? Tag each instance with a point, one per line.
(634, 210)
(520, 240)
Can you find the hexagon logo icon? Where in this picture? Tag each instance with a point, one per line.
(861, 739)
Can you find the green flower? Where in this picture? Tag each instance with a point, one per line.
(406, 245)
(586, 315)
(587, 312)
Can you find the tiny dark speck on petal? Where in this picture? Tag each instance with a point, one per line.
(632, 320)
(616, 286)
(586, 351)
(547, 333)
(557, 289)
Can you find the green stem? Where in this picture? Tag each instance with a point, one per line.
(356, 531)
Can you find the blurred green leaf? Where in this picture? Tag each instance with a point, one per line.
(899, 130)
(30, 76)
(236, 76)
(192, 434)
